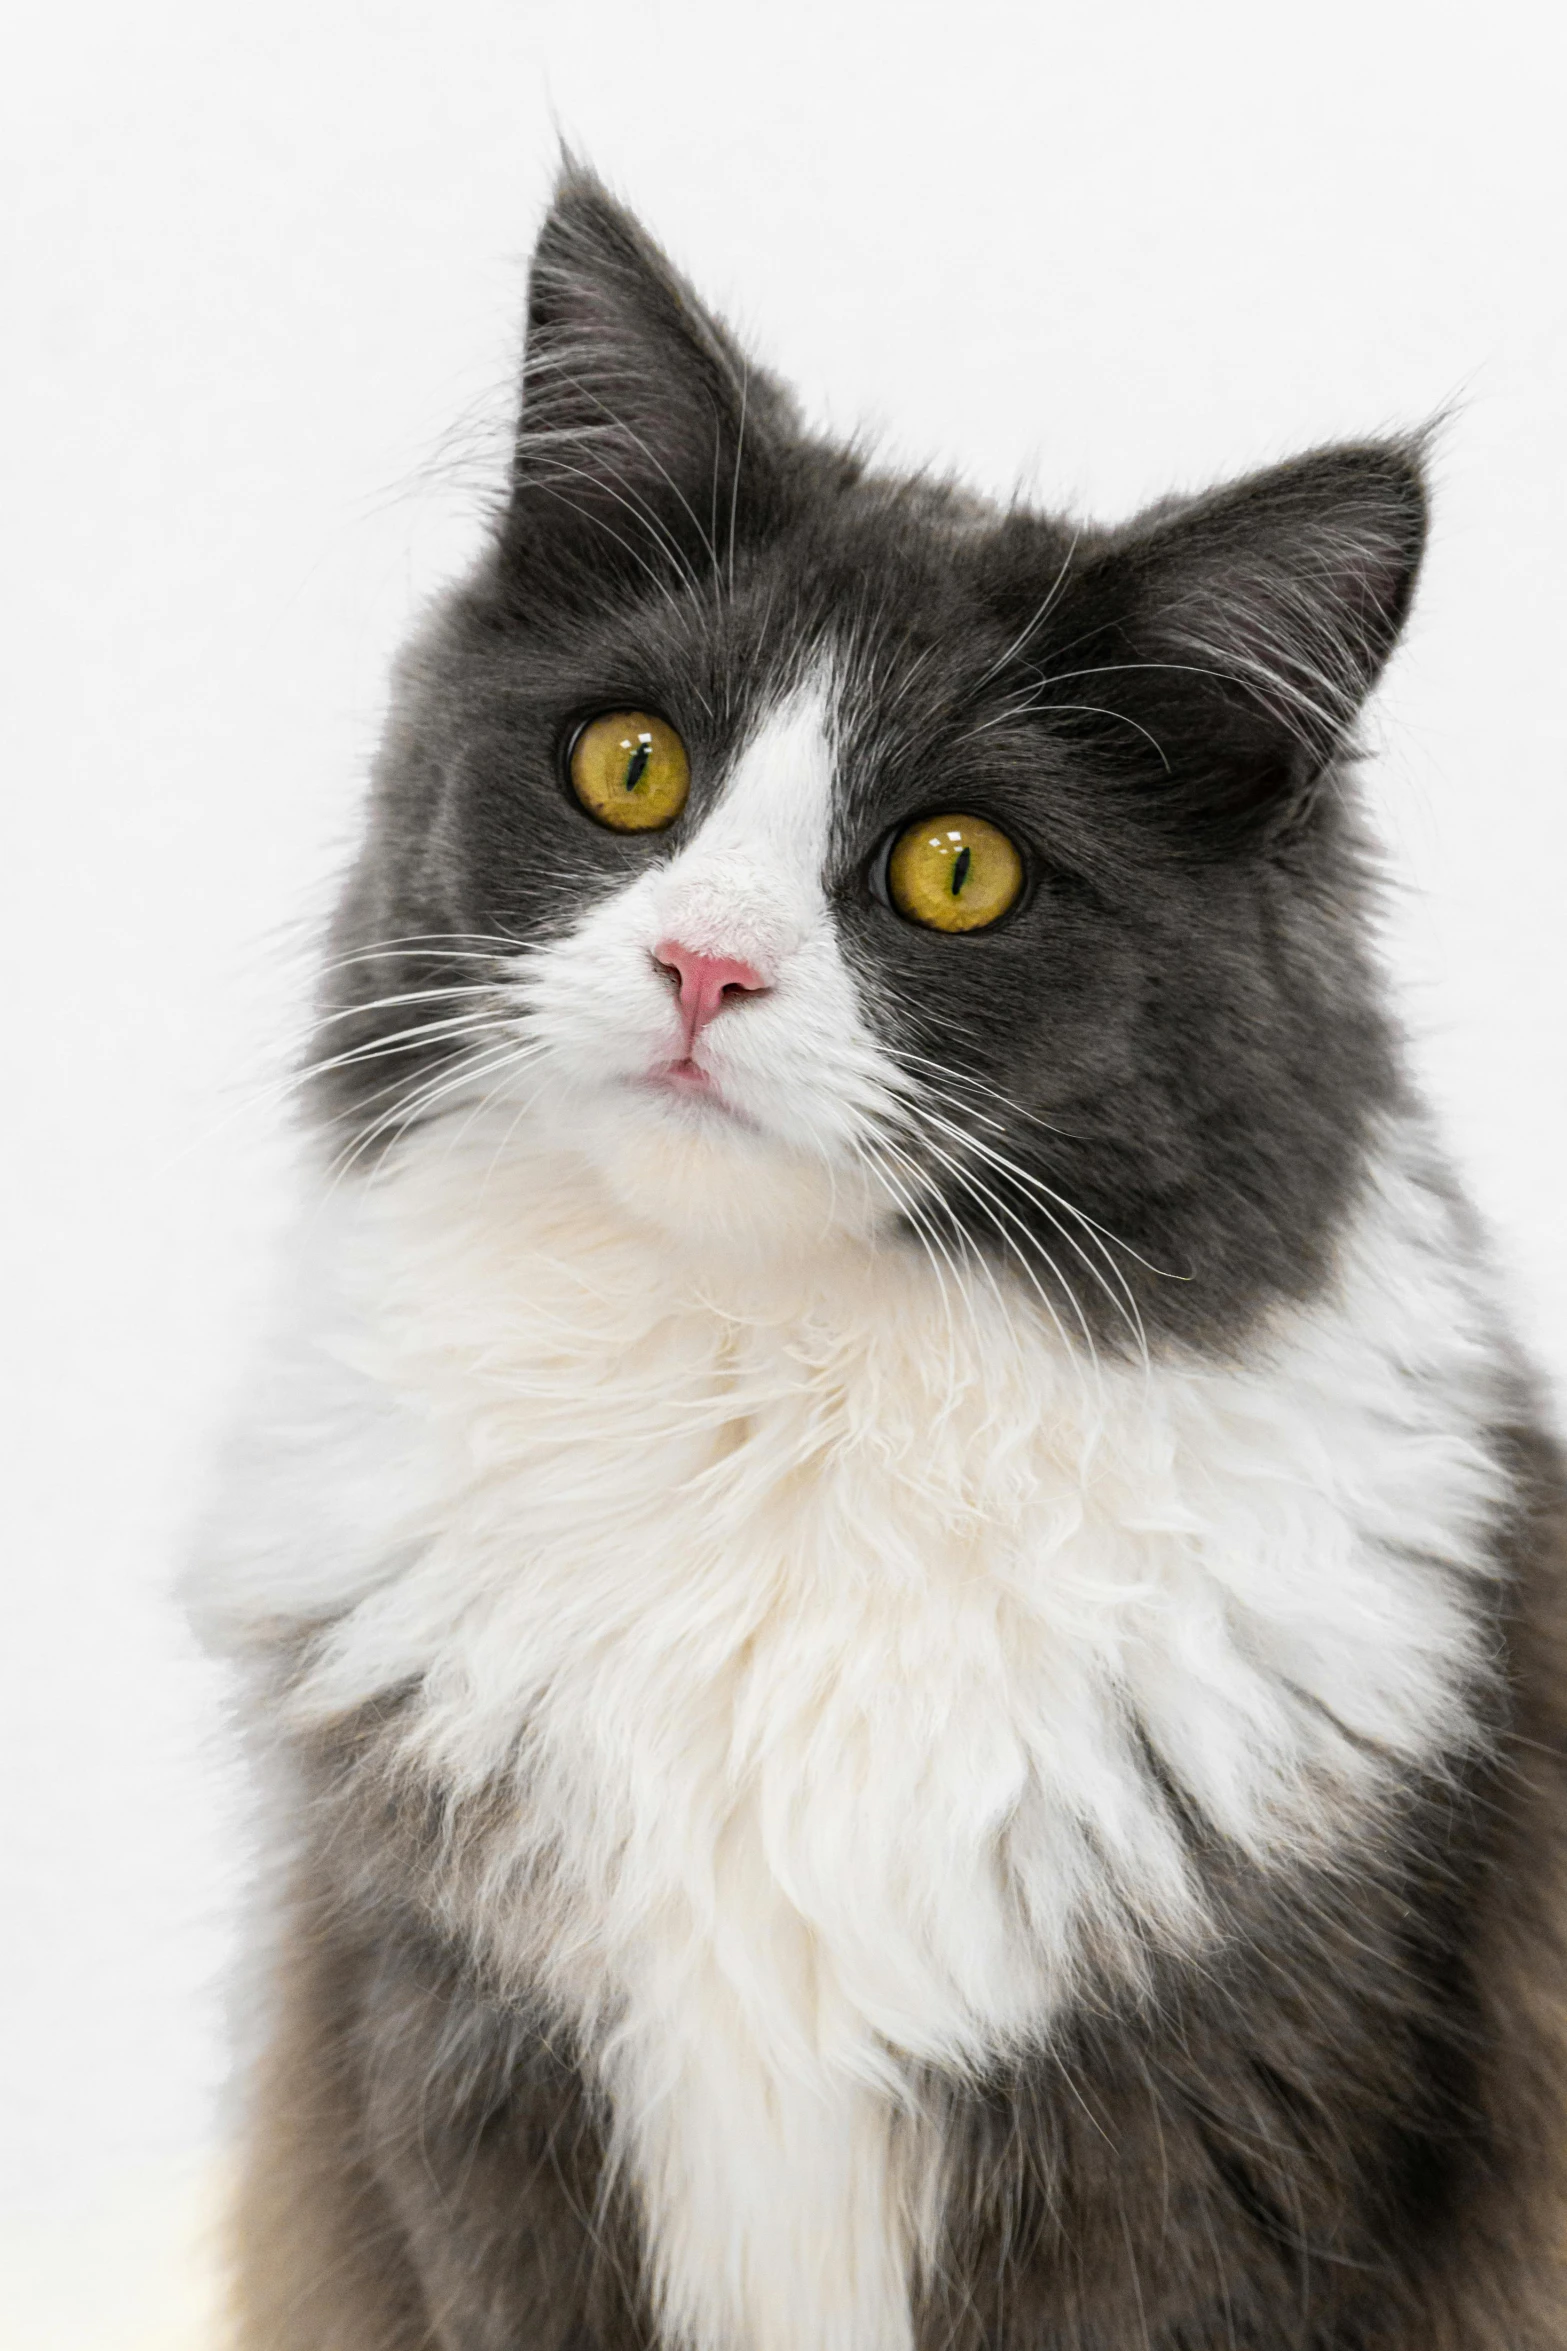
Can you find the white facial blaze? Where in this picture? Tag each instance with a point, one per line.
(794, 1064)
(750, 884)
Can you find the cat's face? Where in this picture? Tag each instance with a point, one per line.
(810, 850)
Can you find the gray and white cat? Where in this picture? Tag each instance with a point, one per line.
(895, 1577)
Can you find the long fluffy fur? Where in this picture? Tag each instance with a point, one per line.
(861, 1765)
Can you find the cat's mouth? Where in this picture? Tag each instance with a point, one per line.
(687, 1081)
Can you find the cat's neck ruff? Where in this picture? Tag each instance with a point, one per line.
(1299, 1520)
(840, 1629)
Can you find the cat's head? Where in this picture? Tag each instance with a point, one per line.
(803, 845)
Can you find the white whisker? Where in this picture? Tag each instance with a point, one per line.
(1123, 1299)
(1018, 1110)
(996, 1208)
(416, 1108)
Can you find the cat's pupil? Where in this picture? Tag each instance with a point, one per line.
(636, 765)
(960, 869)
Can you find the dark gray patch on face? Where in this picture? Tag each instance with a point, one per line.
(1151, 1088)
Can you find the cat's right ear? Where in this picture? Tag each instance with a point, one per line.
(647, 449)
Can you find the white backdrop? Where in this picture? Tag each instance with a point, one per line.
(263, 261)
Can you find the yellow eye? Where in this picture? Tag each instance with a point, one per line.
(954, 873)
(630, 770)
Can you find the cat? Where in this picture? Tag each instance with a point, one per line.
(896, 1584)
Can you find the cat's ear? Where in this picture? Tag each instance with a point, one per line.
(1220, 651)
(647, 446)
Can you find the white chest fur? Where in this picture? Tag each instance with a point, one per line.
(822, 1610)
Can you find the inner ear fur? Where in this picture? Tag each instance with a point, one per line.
(648, 445)
(1216, 654)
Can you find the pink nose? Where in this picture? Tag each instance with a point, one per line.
(707, 983)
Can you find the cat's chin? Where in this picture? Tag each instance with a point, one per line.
(714, 1181)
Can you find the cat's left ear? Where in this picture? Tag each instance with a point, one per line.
(648, 448)
(1219, 652)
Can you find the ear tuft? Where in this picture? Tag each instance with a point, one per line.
(646, 441)
(1294, 586)
(1239, 634)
